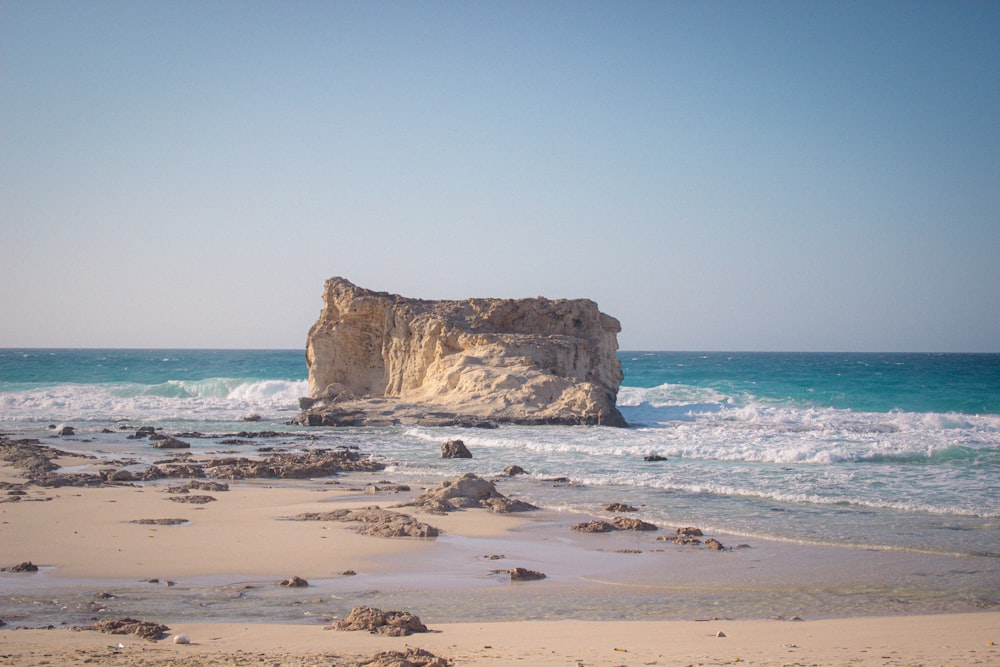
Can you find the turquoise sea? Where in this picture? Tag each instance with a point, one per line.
(896, 453)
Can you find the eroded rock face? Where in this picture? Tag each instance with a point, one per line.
(508, 360)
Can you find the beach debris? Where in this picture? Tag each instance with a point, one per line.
(128, 626)
(194, 499)
(593, 527)
(653, 458)
(455, 449)
(295, 582)
(467, 491)
(168, 442)
(378, 622)
(181, 639)
(494, 557)
(160, 522)
(375, 521)
(523, 574)
(26, 566)
(411, 657)
(348, 573)
(720, 634)
(619, 507)
(513, 471)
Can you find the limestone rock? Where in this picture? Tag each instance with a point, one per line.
(714, 544)
(469, 490)
(376, 522)
(130, 626)
(411, 657)
(26, 566)
(290, 465)
(194, 499)
(168, 442)
(620, 507)
(455, 449)
(379, 358)
(376, 621)
(593, 527)
(628, 523)
(523, 574)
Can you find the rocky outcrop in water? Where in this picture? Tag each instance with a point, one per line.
(379, 358)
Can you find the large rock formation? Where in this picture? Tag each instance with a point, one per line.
(381, 358)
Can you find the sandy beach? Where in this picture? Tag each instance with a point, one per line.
(97, 561)
(958, 639)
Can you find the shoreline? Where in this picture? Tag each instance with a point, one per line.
(85, 539)
(216, 578)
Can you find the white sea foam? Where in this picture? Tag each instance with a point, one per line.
(213, 398)
(908, 462)
(666, 395)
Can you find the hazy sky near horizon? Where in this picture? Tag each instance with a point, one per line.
(718, 176)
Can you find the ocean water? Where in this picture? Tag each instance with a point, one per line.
(857, 453)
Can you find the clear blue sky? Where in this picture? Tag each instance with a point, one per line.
(717, 175)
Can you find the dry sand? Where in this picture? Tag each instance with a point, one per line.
(956, 639)
(86, 533)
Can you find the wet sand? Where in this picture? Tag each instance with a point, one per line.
(225, 561)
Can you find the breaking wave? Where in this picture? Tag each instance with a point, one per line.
(211, 398)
